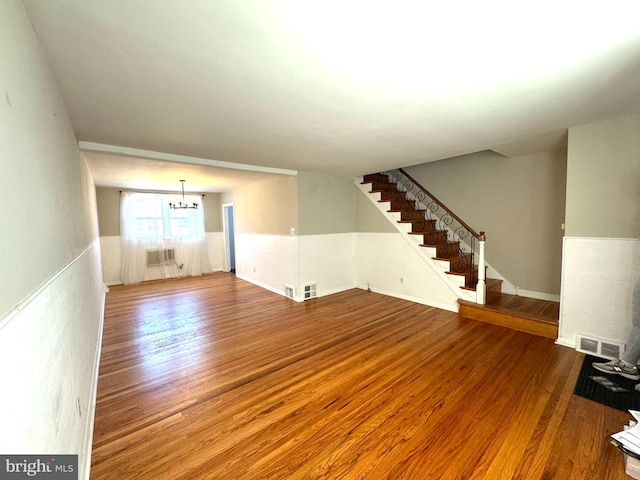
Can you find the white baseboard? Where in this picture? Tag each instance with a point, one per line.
(443, 306)
(537, 295)
(88, 435)
(566, 342)
(263, 285)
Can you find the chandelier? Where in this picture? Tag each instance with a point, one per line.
(182, 203)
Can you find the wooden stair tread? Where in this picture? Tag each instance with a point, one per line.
(493, 308)
(531, 307)
(539, 317)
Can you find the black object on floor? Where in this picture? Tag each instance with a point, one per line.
(592, 390)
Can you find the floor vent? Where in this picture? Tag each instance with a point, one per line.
(599, 347)
(288, 291)
(310, 291)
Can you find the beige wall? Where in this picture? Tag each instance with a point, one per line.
(266, 207)
(46, 180)
(368, 217)
(603, 181)
(519, 202)
(108, 202)
(212, 212)
(326, 204)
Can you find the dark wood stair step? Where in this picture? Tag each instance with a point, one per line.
(400, 205)
(375, 177)
(438, 239)
(379, 183)
(447, 251)
(392, 195)
(378, 187)
(421, 225)
(407, 216)
(493, 287)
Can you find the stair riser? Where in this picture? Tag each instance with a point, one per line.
(437, 237)
(423, 225)
(375, 177)
(510, 321)
(449, 250)
(393, 195)
(402, 205)
(411, 215)
(383, 187)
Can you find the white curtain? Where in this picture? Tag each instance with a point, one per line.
(191, 256)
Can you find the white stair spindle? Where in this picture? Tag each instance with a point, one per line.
(481, 288)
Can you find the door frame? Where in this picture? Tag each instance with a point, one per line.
(229, 228)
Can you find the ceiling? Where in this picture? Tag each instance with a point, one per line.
(344, 87)
(136, 173)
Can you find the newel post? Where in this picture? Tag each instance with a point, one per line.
(481, 287)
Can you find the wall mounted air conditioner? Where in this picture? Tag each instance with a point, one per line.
(163, 256)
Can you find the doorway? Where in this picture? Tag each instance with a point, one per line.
(229, 238)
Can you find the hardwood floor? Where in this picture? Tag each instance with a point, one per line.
(213, 377)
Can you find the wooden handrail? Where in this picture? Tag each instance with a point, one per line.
(417, 184)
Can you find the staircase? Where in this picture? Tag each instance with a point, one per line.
(449, 249)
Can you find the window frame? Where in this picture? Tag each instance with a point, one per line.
(165, 221)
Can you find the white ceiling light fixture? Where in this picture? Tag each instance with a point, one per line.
(182, 204)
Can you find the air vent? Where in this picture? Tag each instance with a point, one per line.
(288, 291)
(610, 350)
(588, 345)
(599, 347)
(310, 291)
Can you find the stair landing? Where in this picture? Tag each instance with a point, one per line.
(539, 317)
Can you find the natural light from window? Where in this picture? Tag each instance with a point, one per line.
(154, 219)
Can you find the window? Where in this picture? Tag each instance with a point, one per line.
(153, 219)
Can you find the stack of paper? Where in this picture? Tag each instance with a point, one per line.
(629, 439)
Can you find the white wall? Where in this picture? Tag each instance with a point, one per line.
(386, 264)
(270, 261)
(329, 261)
(52, 297)
(111, 260)
(277, 261)
(49, 357)
(598, 279)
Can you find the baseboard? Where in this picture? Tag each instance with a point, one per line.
(333, 291)
(88, 447)
(565, 342)
(442, 306)
(537, 295)
(264, 285)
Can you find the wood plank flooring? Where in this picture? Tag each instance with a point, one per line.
(215, 378)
